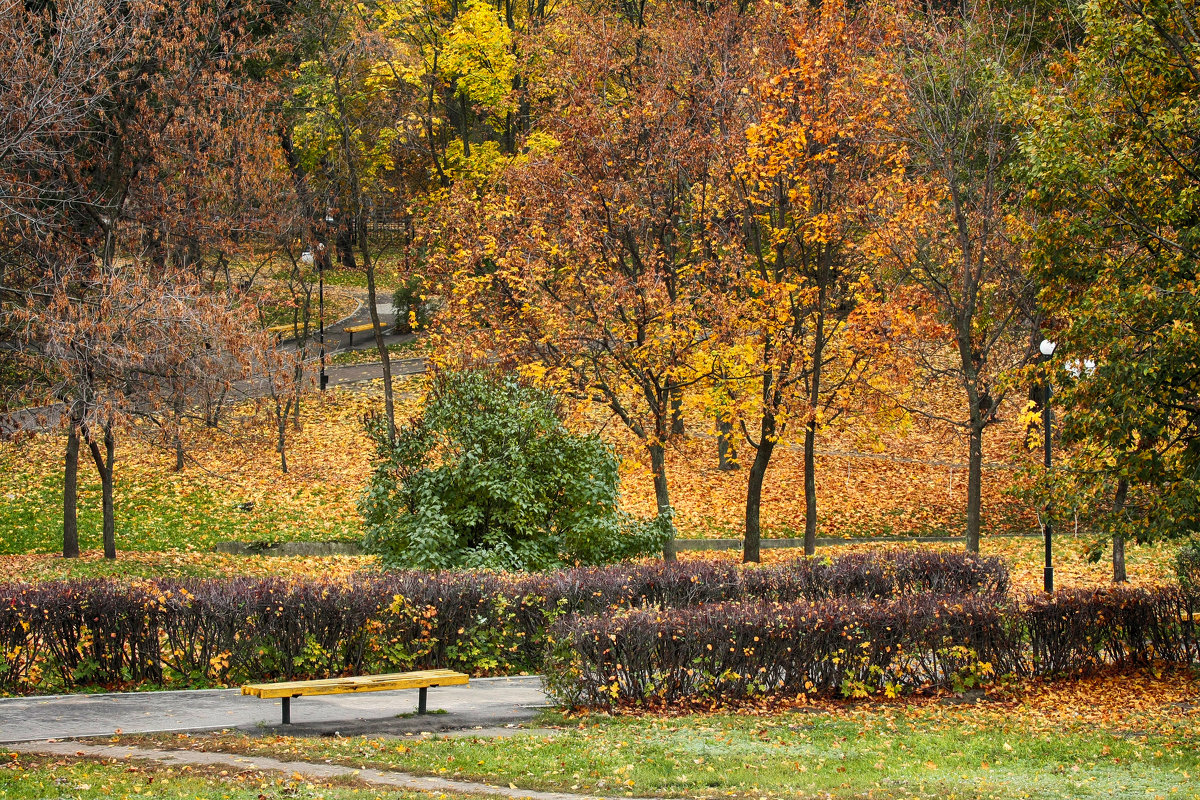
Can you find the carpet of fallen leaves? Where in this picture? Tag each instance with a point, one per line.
(233, 488)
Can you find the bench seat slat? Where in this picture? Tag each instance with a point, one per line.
(365, 327)
(369, 683)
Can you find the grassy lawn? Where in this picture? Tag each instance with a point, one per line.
(1113, 736)
(36, 778)
(232, 487)
(409, 349)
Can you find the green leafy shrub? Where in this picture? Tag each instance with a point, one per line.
(412, 308)
(489, 476)
(1187, 566)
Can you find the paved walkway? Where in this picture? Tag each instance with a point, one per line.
(484, 703)
(305, 769)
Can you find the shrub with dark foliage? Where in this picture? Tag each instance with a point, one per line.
(854, 645)
(109, 633)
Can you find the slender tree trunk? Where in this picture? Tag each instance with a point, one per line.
(662, 497)
(810, 488)
(299, 383)
(676, 413)
(281, 420)
(810, 433)
(389, 407)
(974, 486)
(104, 468)
(178, 436)
(71, 493)
(1119, 574)
(758, 472)
(344, 244)
(726, 453)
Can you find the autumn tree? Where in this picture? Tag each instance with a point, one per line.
(132, 151)
(1113, 155)
(590, 258)
(959, 249)
(819, 164)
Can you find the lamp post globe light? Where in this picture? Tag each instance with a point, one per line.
(1047, 349)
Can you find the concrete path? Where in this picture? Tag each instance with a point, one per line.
(319, 772)
(484, 703)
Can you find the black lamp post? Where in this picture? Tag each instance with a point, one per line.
(321, 317)
(1047, 350)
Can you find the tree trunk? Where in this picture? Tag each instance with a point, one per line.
(104, 468)
(389, 407)
(676, 413)
(810, 488)
(281, 420)
(726, 453)
(344, 243)
(71, 494)
(1119, 574)
(758, 471)
(974, 486)
(662, 497)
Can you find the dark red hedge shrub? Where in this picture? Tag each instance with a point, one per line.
(855, 646)
(111, 633)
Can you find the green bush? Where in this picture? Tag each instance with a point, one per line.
(489, 476)
(412, 309)
(1187, 566)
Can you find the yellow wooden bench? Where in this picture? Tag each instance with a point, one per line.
(353, 329)
(422, 679)
(283, 330)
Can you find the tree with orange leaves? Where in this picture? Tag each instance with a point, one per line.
(593, 257)
(817, 166)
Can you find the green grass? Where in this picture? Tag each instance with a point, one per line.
(153, 512)
(879, 754)
(37, 778)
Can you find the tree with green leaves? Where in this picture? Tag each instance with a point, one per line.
(1113, 155)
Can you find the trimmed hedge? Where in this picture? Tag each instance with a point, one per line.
(856, 646)
(64, 635)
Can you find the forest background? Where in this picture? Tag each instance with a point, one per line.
(752, 243)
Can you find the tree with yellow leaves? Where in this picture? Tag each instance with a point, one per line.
(817, 166)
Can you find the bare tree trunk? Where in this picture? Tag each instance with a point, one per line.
(281, 420)
(389, 407)
(662, 497)
(810, 488)
(1119, 574)
(676, 413)
(299, 384)
(758, 472)
(104, 468)
(71, 493)
(974, 486)
(726, 453)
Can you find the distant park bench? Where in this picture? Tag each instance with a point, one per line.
(421, 679)
(353, 329)
(282, 331)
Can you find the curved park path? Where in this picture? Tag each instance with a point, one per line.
(485, 703)
(303, 769)
(486, 707)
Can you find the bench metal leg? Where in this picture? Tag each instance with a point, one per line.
(351, 339)
(287, 711)
(422, 704)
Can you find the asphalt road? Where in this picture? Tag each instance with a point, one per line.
(484, 703)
